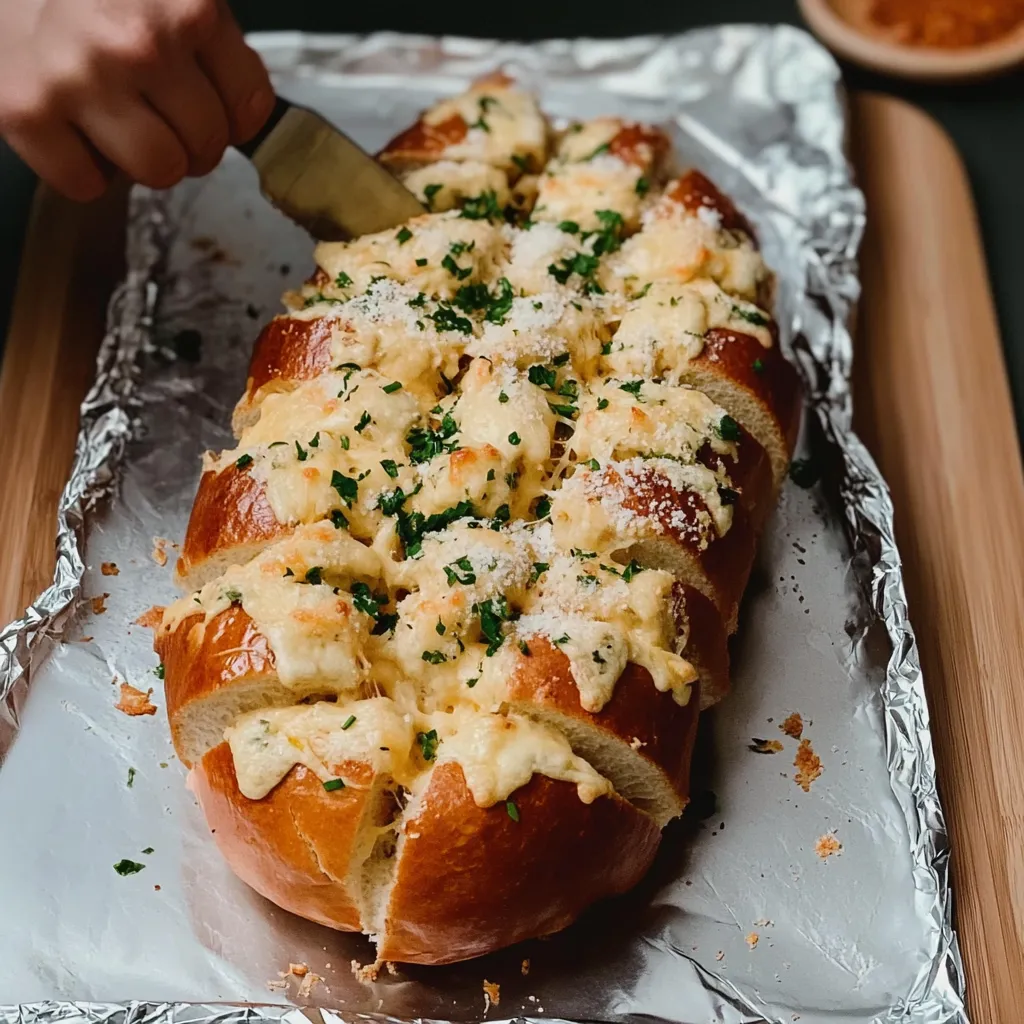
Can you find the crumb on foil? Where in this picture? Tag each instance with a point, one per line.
(299, 970)
(793, 726)
(720, 955)
(135, 702)
(109, 569)
(309, 979)
(99, 604)
(752, 940)
(807, 764)
(764, 746)
(525, 968)
(159, 553)
(492, 994)
(151, 617)
(365, 974)
(827, 845)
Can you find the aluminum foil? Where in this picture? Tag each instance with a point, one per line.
(767, 903)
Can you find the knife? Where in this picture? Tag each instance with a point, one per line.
(322, 180)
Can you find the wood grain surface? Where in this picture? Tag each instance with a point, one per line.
(934, 407)
(932, 404)
(72, 259)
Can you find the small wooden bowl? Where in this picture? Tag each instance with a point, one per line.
(840, 25)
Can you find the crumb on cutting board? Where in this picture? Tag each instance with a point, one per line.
(759, 746)
(793, 726)
(135, 702)
(808, 766)
(159, 553)
(827, 845)
(109, 569)
(151, 617)
(99, 604)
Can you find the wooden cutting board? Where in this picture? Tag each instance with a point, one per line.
(932, 403)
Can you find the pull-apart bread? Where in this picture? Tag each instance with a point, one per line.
(462, 587)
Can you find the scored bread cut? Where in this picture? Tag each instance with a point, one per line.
(458, 594)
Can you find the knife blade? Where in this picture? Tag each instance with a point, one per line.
(318, 177)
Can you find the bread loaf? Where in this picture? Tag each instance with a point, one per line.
(460, 590)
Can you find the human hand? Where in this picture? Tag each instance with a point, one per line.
(155, 88)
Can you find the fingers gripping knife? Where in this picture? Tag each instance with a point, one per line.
(319, 178)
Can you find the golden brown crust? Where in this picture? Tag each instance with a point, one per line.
(289, 349)
(764, 372)
(231, 510)
(707, 645)
(200, 660)
(296, 845)
(503, 880)
(694, 191)
(660, 730)
(641, 145)
(423, 143)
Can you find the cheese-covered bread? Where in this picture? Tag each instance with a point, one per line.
(460, 589)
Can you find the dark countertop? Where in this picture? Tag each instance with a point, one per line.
(986, 121)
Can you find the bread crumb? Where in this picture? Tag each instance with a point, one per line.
(151, 617)
(159, 553)
(109, 569)
(827, 845)
(793, 726)
(85, 639)
(156, 888)
(525, 968)
(99, 604)
(765, 746)
(636, 743)
(277, 985)
(492, 994)
(752, 940)
(391, 967)
(306, 985)
(807, 764)
(365, 975)
(135, 702)
(720, 955)
(299, 970)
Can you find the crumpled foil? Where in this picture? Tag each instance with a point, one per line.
(767, 902)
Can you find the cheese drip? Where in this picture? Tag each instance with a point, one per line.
(499, 754)
(334, 741)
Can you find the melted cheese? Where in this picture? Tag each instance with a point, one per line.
(594, 508)
(499, 754)
(660, 333)
(316, 633)
(334, 741)
(586, 138)
(532, 252)
(473, 246)
(576, 191)
(458, 181)
(679, 248)
(504, 124)
(543, 326)
(482, 476)
(662, 419)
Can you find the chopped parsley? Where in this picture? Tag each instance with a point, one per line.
(570, 227)
(234, 596)
(428, 742)
(593, 465)
(482, 207)
(602, 403)
(633, 387)
(344, 442)
(511, 810)
(128, 867)
(346, 486)
(429, 191)
(390, 389)
(131, 777)
(493, 613)
(563, 410)
(758, 366)
(314, 575)
(514, 439)
(543, 509)
(447, 319)
(243, 461)
(364, 422)
(390, 467)
(434, 657)
(727, 496)
(643, 186)
(425, 443)
(349, 722)
(728, 429)
(538, 569)
(331, 785)
(449, 264)
(301, 452)
(752, 316)
(542, 376)
(337, 517)
(159, 671)
(422, 261)
(603, 148)
(461, 565)
(403, 236)
(343, 280)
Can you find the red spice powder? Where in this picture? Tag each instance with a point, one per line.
(947, 24)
